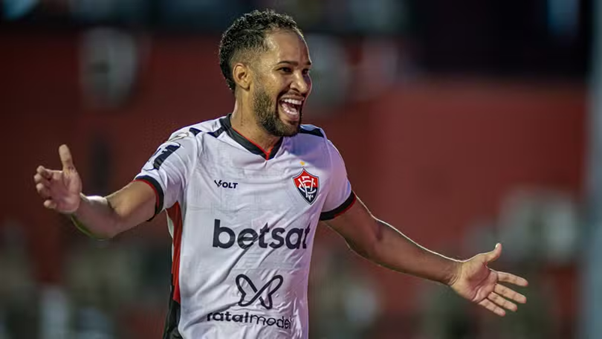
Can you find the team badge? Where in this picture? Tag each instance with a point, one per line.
(308, 185)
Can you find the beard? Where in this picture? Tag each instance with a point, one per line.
(266, 112)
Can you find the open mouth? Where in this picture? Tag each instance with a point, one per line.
(291, 108)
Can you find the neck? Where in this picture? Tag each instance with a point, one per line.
(243, 120)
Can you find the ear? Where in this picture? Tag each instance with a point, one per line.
(242, 75)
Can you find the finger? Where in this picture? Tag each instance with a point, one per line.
(44, 172)
(493, 255)
(510, 294)
(42, 190)
(66, 158)
(511, 278)
(49, 204)
(492, 307)
(497, 299)
(37, 178)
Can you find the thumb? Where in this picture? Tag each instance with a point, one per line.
(495, 254)
(66, 158)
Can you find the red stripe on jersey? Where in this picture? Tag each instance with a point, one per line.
(175, 214)
(267, 154)
(154, 190)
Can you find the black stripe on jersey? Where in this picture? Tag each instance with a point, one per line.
(172, 319)
(158, 189)
(311, 130)
(194, 131)
(218, 132)
(246, 143)
(339, 210)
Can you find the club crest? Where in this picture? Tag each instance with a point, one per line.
(308, 185)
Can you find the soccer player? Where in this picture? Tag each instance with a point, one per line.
(244, 195)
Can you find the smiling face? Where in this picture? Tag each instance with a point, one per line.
(281, 83)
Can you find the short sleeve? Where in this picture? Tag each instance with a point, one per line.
(340, 197)
(167, 171)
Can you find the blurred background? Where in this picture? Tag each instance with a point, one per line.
(461, 123)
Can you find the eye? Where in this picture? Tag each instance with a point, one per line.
(286, 70)
(306, 71)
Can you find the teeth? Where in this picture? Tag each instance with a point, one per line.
(293, 101)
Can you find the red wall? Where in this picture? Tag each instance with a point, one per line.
(430, 157)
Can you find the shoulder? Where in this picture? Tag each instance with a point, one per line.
(191, 139)
(316, 136)
(196, 130)
(310, 138)
(312, 130)
(313, 139)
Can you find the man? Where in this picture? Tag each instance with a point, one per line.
(244, 195)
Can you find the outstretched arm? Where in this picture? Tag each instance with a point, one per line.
(98, 217)
(472, 279)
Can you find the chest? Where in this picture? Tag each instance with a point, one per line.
(232, 179)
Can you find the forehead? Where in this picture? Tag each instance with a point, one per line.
(286, 45)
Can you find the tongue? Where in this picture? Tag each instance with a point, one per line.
(290, 110)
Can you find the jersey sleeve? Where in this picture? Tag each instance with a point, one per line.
(167, 171)
(340, 197)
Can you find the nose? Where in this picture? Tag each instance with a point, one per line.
(302, 83)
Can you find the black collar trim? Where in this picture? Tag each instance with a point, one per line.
(246, 143)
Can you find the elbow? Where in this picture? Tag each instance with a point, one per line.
(371, 250)
(359, 250)
(105, 236)
(111, 232)
(367, 249)
(100, 236)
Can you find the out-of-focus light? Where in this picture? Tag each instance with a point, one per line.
(109, 66)
(15, 9)
(563, 18)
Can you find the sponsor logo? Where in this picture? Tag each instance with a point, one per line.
(307, 184)
(277, 237)
(249, 294)
(246, 318)
(271, 287)
(225, 184)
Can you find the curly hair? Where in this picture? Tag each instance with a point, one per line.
(248, 33)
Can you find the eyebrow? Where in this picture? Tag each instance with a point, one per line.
(294, 63)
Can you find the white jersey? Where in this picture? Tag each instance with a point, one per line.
(243, 223)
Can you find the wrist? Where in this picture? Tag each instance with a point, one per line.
(72, 212)
(455, 272)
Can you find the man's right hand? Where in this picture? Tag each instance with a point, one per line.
(61, 190)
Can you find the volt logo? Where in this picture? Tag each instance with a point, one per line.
(225, 184)
(242, 281)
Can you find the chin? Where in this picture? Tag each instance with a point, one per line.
(287, 128)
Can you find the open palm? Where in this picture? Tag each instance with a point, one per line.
(480, 284)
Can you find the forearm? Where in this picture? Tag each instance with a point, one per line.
(96, 217)
(392, 249)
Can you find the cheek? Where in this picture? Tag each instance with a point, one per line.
(308, 81)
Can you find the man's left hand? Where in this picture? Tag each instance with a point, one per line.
(478, 283)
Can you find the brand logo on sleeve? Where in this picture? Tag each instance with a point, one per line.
(307, 184)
